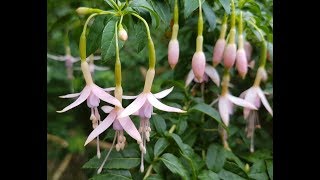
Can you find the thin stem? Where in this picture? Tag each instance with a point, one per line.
(105, 159)
(176, 12)
(148, 171)
(173, 127)
(200, 19)
(224, 27)
(62, 167)
(225, 82)
(117, 67)
(233, 14)
(114, 4)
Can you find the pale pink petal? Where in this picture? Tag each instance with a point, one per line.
(57, 58)
(101, 68)
(93, 101)
(148, 109)
(109, 89)
(75, 59)
(134, 106)
(105, 124)
(224, 110)
(241, 102)
(163, 93)
(213, 74)
(265, 101)
(246, 112)
(243, 94)
(129, 97)
(96, 58)
(83, 96)
(70, 95)
(130, 128)
(159, 105)
(105, 96)
(190, 77)
(107, 109)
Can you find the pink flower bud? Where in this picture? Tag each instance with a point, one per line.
(173, 52)
(218, 51)
(198, 64)
(242, 63)
(123, 34)
(248, 50)
(229, 56)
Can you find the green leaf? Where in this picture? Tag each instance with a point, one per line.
(204, 108)
(108, 41)
(160, 146)
(210, 15)
(226, 5)
(226, 175)
(269, 164)
(143, 4)
(110, 4)
(215, 157)
(174, 165)
(159, 123)
(155, 177)
(95, 34)
(163, 10)
(208, 175)
(234, 168)
(127, 159)
(140, 36)
(258, 170)
(190, 6)
(186, 149)
(114, 175)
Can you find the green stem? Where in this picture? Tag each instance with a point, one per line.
(224, 27)
(176, 12)
(240, 35)
(225, 82)
(233, 14)
(152, 53)
(240, 23)
(117, 68)
(148, 172)
(121, 18)
(114, 4)
(200, 20)
(173, 127)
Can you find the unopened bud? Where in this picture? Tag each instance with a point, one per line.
(218, 51)
(84, 10)
(122, 34)
(173, 52)
(242, 63)
(229, 56)
(198, 64)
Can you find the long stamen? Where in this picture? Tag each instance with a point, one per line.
(98, 148)
(105, 159)
(141, 164)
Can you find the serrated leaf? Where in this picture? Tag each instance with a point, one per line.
(204, 108)
(208, 175)
(163, 10)
(160, 146)
(108, 41)
(95, 34)
(114, 175)
(234, 168)
(174, 165)
(143, 4)
(159, 123)
(190, 6)
(226, 5)
(127, 159)
(269, 164)
(210, 15)
(215, 157)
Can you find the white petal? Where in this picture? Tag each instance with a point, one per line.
(134, 106)
(107, 109)
(70, 95)
(83, 96)
(265, 101)
(101, 94)
(129, 97)
(130, 128)
(75, 59)
(224, 110)
(241, 102)
(163, 93)
(105, 124)
(159, 105)
(101, 68)
(190, 77)
(109, 89)
(57, 58)
(213, 74)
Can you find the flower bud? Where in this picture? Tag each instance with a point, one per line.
(122, 34)
(241, 62)
(198, 64)
(229, 56)
(84, 10)
(173, 52)
(218, 51)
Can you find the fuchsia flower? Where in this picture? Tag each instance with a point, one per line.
(198, 65)
(119, 125)
(229, 56)
(218, 51)
(68, 59)
(226, 102)
(242, 62)
(208, 71)
(173, 52)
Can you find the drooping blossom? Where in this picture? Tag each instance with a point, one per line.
(198, 65)
(242, 62)
(209, 71)
(119, 125)
(229, 56)
(218, 51)
(173, 52)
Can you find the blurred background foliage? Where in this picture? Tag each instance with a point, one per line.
(194, 150)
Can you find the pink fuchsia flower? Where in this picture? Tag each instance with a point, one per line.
(226, 102)
(91, 92)
(218, 51)
(198, 65)
(68, 59)
(173, 52)
(229, 56)
(208, 71)
(119, 125)
(242, 62)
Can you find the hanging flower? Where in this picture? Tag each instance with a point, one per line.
(208, 71)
